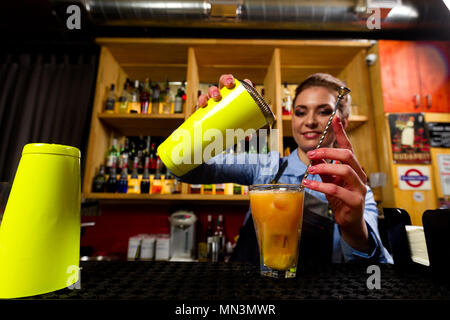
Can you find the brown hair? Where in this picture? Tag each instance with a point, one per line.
(327, 81)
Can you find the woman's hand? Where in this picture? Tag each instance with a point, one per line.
(343, 183)
(225, 80)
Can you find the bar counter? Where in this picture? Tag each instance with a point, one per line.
(151, 280)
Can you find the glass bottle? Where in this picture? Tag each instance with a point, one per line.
(122, 184)
(153, 159)
(98, 185)
(110, 100)
(111, 183)
(165, 99)
(122, 102)
(146, 94)
(155, 99)
(112, 155)
(157, 185)
(179, 99)
(286, 103)
(145, 182)
(133, 183)
(134, 104)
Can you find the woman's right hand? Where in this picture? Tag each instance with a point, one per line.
(225, 80)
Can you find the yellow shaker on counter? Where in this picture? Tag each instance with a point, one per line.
(240, 108)
(40, 231)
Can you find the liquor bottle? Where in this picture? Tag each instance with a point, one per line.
(145, 182)
(155, 99)
(165, 99)
(134, 104)
(219, 237)
(168, 184)
(110, 100)
(179, 99)
(131, 153)
(157, 184)
(122, 102)
(122, 184)
(113, 155)
(153, 159)
(111, 183)
(286, 103)
(146, 94)
(133, 183)
(98, 185)
(209, 234)
(176, 186)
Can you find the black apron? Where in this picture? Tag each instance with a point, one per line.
(316, 242)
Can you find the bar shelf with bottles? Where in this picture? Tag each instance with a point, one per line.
(145, 107)
(133, 171)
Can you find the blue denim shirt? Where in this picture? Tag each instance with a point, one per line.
(248, 169)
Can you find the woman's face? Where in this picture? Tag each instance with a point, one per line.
(312, 109)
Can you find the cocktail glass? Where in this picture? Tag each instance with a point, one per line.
(277, 211)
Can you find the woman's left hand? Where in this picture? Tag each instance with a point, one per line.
(343, 183)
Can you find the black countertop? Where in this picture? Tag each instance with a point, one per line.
(150, 280)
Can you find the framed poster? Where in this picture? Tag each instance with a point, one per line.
(439, 133)
(444, 172)
(409, 139)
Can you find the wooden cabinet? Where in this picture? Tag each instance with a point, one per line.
(415, 76)
(267, 63)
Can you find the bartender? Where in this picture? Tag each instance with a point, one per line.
(340, 220)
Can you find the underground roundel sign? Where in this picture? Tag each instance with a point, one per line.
(414, 177)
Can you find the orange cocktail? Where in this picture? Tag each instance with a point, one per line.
(277, 212)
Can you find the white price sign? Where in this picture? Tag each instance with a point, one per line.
(444, 172)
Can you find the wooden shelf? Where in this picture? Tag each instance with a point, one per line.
(168, 197)
(143, 124)
(353, 123)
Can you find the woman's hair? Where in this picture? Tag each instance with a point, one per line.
(329, 82)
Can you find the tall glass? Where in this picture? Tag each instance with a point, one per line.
(277, 211)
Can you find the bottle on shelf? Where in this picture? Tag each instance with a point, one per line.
(180, 98)
(98, 185)
(112, 155)
(176, 186)
(168, 184)
(153, 159)
(165, 99)
(209, 234)
(219, 238)
(111, 183)
(122, 102)
(134, 104)
(155, 98)
(157, 183)
(122, 184)
(110, 100)
(145, 97)
(134, 183)
(145, 182)
(286, 103)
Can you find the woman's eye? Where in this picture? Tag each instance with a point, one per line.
(299, 113)
(326, 112)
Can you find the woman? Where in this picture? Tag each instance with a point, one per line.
(335, 180)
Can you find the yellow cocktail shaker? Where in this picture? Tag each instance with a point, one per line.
(241, 108)
(40, 231)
